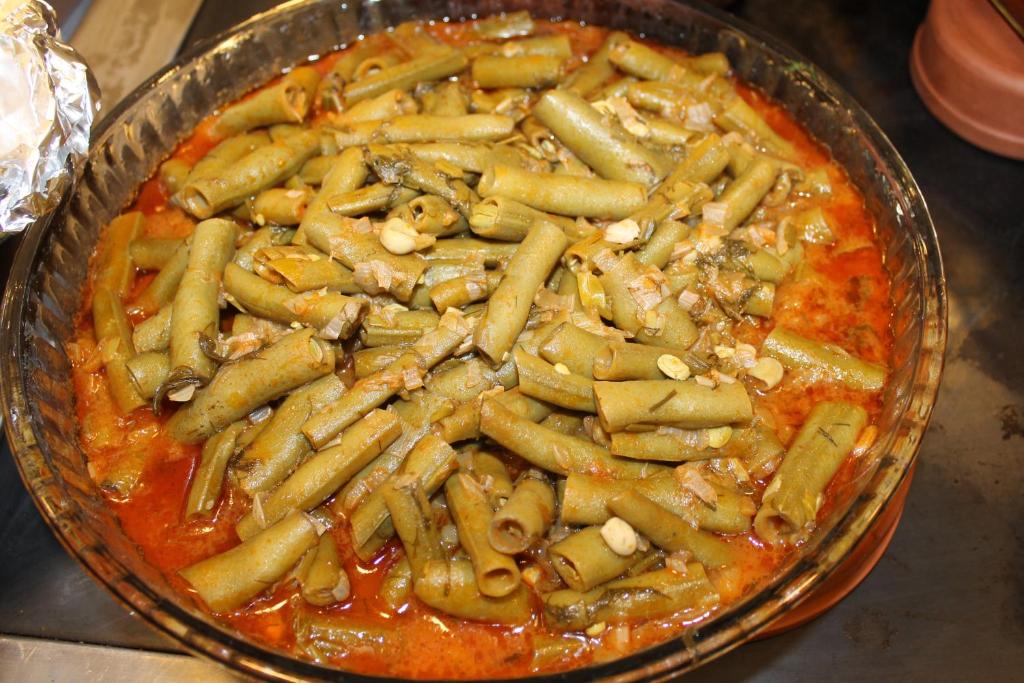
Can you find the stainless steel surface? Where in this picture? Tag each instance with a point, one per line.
(946, 603)
(31, 660)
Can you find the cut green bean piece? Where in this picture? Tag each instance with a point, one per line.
(796, 352)
(204, 490)
(651, 595)
(326, 471)
(241, 387)
(229, 580)
(277, 450)
(795, 494)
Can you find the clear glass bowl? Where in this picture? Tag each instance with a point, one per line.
(44, 294)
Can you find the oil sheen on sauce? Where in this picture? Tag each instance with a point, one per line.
(841, 295)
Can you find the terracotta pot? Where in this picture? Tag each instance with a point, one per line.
(968, 66)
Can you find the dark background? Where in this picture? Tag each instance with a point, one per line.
(946, 602)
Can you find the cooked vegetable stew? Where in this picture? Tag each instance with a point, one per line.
(483, 349)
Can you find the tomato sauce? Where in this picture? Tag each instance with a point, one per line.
(840, 294)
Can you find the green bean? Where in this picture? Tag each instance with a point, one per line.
(153, 333)
(314, 170)
(664, 324)
(432, 215)
(565, 195)
(223, 154)
(673, 200)
(325, 582)
(504, 25)
(664, 445)
(263, 238)
(161, 289)
(667, 133)
(229, 580)
(639, 60)
(557, 45)
(153, 253)
(668, 531)
(402, 327)
(262, 168)
(659, 247)
(551, 450)
(651, 595)
(525, 518)
(471, 157)
(493, 476)
(564, 423)
(520, 405)
(465, 248)
(506, 219)
(308, 274)
(625, 360)
(445, 99)
(374, 390)
(330, 90)
(574, 348)
(427, 128)
(550, 651)
(114, 338)
(584, 560)
(740, 117)
(670, 402)
(597, 71)
(431, 67)
(496, 573)
(280, 206)
(450, 586)
(543, 381)
(523, 71)
(464, 290)
(370, 360)
(241, 387)
(114, 267)
(280, 131)
(414, 523)
(369, 199)
(610, 152)
(332, 635)
(326, 471)
(149, 371)
(335, 316)
(397, 584)
(195, 312)
(277, 450)
(509, 306)
(795, 494)
(285, 102)
(585, 499)
(385, 106)
(204, 490)
(743, 195)
(430, 461)
(173, 173)
(829, 360)
(703, 163)
(396, 167)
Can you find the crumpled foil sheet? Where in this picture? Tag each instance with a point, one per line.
(48, 100)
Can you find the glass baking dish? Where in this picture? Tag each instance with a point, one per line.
(44, 293)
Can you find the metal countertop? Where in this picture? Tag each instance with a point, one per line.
(946, 601)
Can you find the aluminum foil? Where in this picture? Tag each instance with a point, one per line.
(48, 100)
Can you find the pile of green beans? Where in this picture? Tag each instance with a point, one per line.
(483, 288)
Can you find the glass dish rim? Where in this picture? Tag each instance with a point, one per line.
(732, 627)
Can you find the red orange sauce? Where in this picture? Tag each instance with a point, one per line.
(842, 296)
